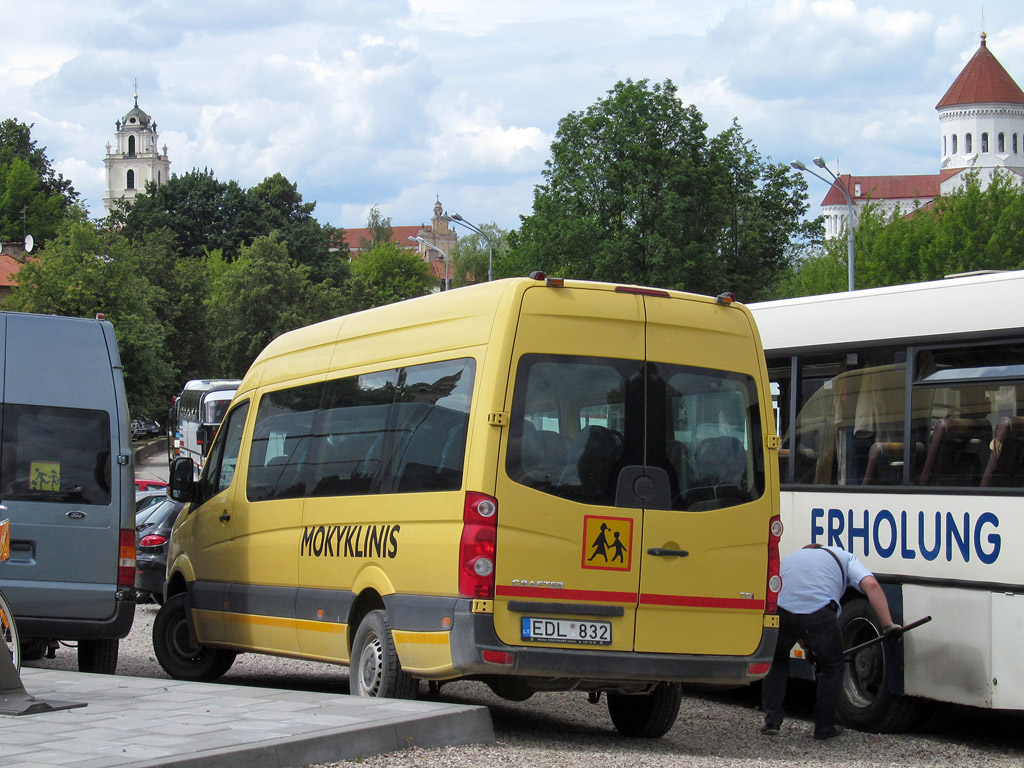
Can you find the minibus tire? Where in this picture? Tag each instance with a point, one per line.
(375, 670)
(866, 703)
(648, 716)
(98, 656)
(178, 654)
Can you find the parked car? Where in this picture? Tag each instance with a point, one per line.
(145, 428)
(151, 535)
(142, 484)
(145, 499)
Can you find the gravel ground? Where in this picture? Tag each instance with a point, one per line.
(564, 730)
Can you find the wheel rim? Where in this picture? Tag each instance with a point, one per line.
(371, 666)
(864, 676)
(181, 644)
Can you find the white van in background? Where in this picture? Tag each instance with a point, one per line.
(66, 480)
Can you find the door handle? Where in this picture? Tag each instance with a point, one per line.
(662, 552)
(224, 517)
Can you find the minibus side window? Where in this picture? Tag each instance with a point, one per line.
(282, 437)
(220, 468)
(56, 454)
(431, 419)
(351, 434)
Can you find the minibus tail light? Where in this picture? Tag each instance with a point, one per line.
(774, 586)
(725, 299)
(477, 546)
(126, 559)
(638, 291)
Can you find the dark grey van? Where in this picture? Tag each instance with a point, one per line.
(66, 481)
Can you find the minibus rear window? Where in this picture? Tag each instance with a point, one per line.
(55, 454)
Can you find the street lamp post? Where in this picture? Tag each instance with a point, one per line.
(835, 182)
(457, 219)
(431, 246)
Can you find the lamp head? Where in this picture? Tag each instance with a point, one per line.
(798, 165)
(457, 217)
(819, 162)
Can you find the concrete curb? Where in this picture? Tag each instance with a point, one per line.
(150, 449)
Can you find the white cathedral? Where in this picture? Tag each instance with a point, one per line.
(134, 159)
(981, 125)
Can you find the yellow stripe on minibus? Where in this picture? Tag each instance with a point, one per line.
(422, 638)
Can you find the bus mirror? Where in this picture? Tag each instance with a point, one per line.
(182, 482)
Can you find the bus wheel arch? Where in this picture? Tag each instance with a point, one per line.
(867, 703)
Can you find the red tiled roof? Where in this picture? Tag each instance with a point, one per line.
(399, 235)
(923, 187)
(9, 267)
(982, 81)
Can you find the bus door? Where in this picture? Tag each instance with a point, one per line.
(703, 552)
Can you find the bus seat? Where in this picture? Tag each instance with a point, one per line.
(592, 458)
(1005, 468)
(949, 460)
(722, 461)
(881, 470)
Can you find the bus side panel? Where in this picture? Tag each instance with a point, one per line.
(1007, 671)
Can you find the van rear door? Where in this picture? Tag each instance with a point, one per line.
(625, 517)
(59, 475)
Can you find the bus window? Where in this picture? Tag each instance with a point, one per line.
(280, 444)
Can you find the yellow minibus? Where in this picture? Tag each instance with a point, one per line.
(540, 483)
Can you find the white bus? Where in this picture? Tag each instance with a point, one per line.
(902, 410)
(197, 414)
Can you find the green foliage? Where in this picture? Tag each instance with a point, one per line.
(380, 226)
(388, 273)
(83, 272)
(636, 192)
(971, 229)
(470, 256)
(257, 297)
(16, 142)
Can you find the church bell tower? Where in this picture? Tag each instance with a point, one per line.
(134, 159)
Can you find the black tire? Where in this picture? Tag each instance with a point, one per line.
(375, 670)
(34, 649)
(866, 703)
(98, 656)
(10, 641)
(648, 716)
(180, 656)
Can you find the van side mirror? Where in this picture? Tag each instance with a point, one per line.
(182, 479)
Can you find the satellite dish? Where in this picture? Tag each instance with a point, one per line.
(29, 243)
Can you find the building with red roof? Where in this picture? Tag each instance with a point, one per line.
(981, 122)
(438, 233)
(12, 257)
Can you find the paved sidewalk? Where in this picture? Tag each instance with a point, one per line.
(145, 722)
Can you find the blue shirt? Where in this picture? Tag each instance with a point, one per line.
(811, 578)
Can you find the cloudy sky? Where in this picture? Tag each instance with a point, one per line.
(398, 102)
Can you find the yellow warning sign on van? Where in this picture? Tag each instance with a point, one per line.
(607, 543)
(45, 476)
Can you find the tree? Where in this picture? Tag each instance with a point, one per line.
(388, 273)
(470, 256)
(380, 226)
(82, 272)
(16, 142)
(256, 298)
(203, 213)
(25, 207)
(636, 192)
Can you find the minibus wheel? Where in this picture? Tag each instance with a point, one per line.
(180, 656)
(648, 716)
(375, 669)
(98, 656)
(866, 702)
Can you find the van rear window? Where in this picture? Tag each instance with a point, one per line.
(54, 454)
(577, 422)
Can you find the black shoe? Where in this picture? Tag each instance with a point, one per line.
(768, 730)
(834, 731)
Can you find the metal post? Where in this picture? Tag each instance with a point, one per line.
(835, 182)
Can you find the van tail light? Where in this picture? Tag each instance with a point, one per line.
(771, 600)
(477, 545)
(126, 559)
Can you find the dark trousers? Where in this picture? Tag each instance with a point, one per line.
(819, 633)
